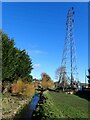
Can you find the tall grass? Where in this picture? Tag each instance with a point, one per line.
(26, 89)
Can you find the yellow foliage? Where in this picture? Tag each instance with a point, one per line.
(20, 86)
(23, 88)
(43, 84)
(30, 90)
(36, 84)
(46, 81)
(50, 84)
(47, 84)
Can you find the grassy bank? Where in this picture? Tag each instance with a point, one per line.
(61, 105)
(16, 98)
(12, 105)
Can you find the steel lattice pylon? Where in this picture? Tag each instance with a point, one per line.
(69, 67)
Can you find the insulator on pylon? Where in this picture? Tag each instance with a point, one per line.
(70, 29)
(72, 8)
(68, 12)
(73, 12)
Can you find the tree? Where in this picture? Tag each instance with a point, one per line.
(46, 81)
(62, 77)
(60, 72)
(45, 77)
(16, 63)
(8, 58)
(24, 65)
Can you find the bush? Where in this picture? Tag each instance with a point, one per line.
(46, 81)
(18, 87)
(30, 90)
(26, 89)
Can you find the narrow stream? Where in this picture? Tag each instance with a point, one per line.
(27, 114)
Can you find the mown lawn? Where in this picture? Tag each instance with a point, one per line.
(61, 105)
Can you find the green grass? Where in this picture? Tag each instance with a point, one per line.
(61, 105)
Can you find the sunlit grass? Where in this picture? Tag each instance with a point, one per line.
(61, 105)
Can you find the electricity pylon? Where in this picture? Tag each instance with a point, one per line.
(69, 63)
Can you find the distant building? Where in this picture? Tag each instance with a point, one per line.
(80, 88)
(84, 85)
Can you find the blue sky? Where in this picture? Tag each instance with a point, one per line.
(40, 29)
(88, 35)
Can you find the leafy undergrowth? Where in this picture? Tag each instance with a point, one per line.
(61, 105)
(12, 104)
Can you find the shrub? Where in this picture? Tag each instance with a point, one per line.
(14, 88)
(36, 84)
(23, 88)
(18, 87)
(29, 90)
(47, 84)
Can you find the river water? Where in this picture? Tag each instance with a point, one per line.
(27, 114)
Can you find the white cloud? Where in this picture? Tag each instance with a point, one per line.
(37, 65)
(35, 52)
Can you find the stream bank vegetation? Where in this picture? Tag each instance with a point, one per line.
(17, 88)
(18, 85)
(56, 105)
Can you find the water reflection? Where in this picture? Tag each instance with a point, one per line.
(27, 114)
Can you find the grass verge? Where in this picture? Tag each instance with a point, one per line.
(61, 105)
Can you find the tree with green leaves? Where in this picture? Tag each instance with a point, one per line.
(16, 63)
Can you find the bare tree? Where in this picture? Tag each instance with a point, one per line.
(62, 76)
(60, 71)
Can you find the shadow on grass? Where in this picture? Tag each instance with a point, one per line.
(84, 94)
